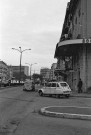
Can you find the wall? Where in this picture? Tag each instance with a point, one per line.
(83, 27)
(77, 24)
(89, 66)
(4, 74)
(88, 18)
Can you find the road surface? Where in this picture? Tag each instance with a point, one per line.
(19, 114)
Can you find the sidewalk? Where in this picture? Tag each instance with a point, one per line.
(84, 95)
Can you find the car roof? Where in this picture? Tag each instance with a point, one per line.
(28, 81)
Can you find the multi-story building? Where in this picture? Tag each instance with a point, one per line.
(24, 72)
(74, 46)
(10, 72)
(45, 72)
(52, 72)
(4, 74)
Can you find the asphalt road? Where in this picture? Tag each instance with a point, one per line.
(19, 114)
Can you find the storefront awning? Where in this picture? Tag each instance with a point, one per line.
(68, 47)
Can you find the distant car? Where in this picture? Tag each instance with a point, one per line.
(6, 83)
(28, 86)
(55, 88)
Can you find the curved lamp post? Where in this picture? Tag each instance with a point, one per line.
(21, 51)
(30, 68)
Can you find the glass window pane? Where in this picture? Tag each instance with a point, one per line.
(53, 85)
(57, 85)
(63, 84)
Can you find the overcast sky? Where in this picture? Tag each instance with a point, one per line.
(35, 24)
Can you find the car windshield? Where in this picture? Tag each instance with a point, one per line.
(63, 84)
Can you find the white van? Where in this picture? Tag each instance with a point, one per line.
(28, 85)
(55, 88)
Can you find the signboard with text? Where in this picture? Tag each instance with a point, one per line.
(86, 40)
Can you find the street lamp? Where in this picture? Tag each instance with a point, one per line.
(30, 68)
(21, 51)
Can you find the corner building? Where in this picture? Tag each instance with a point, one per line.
(74, 46)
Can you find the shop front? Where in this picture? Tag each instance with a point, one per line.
(74, 53)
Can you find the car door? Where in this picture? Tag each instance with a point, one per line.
(53, 88)
(58, 89)
(47, 89)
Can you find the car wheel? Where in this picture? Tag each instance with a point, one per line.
(57, 96)
(67, 96)
(40, 93)
(4, 85)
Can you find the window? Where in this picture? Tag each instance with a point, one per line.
(53, 85)
(63, 84)
(57, 85)
(48, 84)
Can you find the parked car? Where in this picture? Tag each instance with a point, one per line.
(29, 85)
(55, 88)
(6, 83)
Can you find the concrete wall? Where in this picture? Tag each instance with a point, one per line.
(83, 68)
(89, 66)
(83, 27)
(82, 65)
(77, 25)
(86, 23)
(84, 18)
(88, 18)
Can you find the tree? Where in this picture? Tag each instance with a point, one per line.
(37, 78)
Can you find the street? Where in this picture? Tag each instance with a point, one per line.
(19, 114)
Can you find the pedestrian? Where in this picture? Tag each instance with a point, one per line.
(80, 86)
(33, 86)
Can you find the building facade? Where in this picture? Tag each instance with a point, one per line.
(52, 72)
(10, 70)
(4, 73)
(24, 72)
(45, 72)
(74, 46)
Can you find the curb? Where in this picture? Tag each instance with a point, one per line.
(9, 87)
(43, 111)
(82, 95)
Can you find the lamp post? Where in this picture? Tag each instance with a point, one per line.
(30, 68)
(21, 51)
